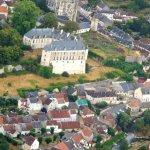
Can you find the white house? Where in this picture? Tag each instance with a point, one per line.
(143, 94)
(30, 143)
(34, 104)
(66, 55)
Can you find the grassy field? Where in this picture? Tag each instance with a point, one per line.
(137, 145)
(105, 47)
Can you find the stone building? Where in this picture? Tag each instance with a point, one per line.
(64, 8)
(38, 38)
(65, 55)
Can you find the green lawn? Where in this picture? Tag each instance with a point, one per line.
(108, 144)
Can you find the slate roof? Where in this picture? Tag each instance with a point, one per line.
(65, 45)
(84, 25)
(145, 90)
(47, 33)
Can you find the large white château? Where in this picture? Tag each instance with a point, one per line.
(67, 55)
(64, 8)
(62, 51)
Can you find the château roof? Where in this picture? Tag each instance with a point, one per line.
(65, 45)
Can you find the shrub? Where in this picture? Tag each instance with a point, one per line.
(101, 104)
(65, 74)
(48, 140)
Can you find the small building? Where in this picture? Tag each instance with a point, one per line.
(86, 112)
(133, 106)
(143, 94)
(30, 143)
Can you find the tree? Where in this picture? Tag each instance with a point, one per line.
(147, 117)
(65, 74)
(61, 134)
(40, 139)
(45, 72)
(72, 98)
(102, 104)
(97, 112)
(123, 120)
(49, 21)
(24, 16)
(42, 4)
(111, 131)
(124, 145)
(54, 137)
(10, 54)
(10, 37)
(4, 145)
(70, 26)
(48, 140)
(43, 130)
(52, 130)
(139, 124)
(98, 144)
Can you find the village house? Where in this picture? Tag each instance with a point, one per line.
(3, 11)
(96, 97)
(30, 143)
(143, 94)
(83, 27)
(82, 102)
(133, 106)
(62, 115)
(101, 6)
(86, 112)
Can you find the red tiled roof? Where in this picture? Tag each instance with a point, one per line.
(3, 9)
(9, 128)
(29, 140)
(62, 146)
(88, 121)
(2, 120)
(77, 138)
(51, 122)
(87, 132)
(59, 114)
(72, 111)
(70, 125)
(134, 102)
(86, 111)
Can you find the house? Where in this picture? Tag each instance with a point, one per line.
(83, 27)
(86, 112)
(34, 104)
(24, 128)
(61, 20)
(121, 37)
(62, 115)
(88, 121)
(143, 94)
(62, 146)
(124, 88)
(82, 102)
(102, 6)
(61, 100)
(87, 134)
(3, 120)
(145, 106)
(133, 106)
(69, 126)
(69, 90)
(65, 55)
(108, 119)
(30, 143)
(22, 104)
(3, 11)
(53, 124)
(9, 130)
(95, 97)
